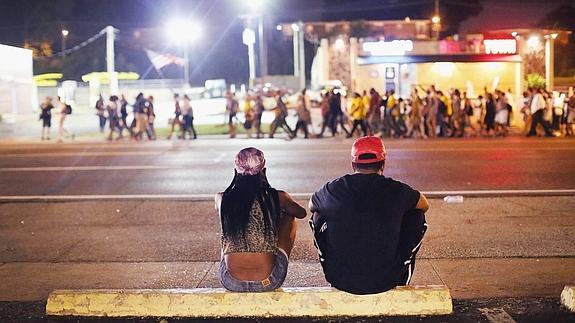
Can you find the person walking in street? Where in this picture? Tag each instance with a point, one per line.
(258, 113)
(64, 109)
(248, 115)
(232, 107)
(176, 118)
(188, 117)
(325, 115)
(457, 113)
(489, 119)
(336, 116)
(416, 117)
(124, 114)
(432, 111)
(114, 117)
(46, 117)
(140, 122)
(281, 113)
(358, 114)
(467, 116)
(368, 227)
(537, 109)
(151, 117)
(501, 114)
(374, 112)
(569, 131)
(101, 113)
(303, 114)
(258, 227)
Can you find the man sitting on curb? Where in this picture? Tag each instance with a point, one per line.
(368, 227)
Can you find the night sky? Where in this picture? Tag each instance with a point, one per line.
(220, 53)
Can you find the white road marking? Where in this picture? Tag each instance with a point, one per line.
(298, 196)
(496, 315)
(271, 151)
(83, 153)
(84, 168)
(220, 157)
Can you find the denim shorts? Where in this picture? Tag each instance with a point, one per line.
(274, 281)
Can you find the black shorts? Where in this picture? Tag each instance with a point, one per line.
(46, 122)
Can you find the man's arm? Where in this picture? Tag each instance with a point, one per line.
(290, 206)
(311, 207)
(422, 203)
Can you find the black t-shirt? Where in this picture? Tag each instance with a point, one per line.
(359, 222)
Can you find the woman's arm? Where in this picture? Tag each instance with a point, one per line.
(290, 206)
(218, 201)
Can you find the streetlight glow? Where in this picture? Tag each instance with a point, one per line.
(279, 27)
(65, 32)
(181, 30)
(533, 42)
(435, 19)
(256, 5)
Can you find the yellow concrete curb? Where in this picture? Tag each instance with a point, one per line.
(568, 298)
(286, 302)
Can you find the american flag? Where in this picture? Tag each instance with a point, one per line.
(161, 60)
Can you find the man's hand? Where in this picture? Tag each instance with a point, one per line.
(422, 204)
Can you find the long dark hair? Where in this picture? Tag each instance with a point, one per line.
(238, 199)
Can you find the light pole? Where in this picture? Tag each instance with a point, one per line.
(110, 60)
(249, 39)
(65, 33)
(436, 21)
(184, 32)
(299, 53)
(256, 8)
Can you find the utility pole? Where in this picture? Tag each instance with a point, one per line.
(249, 39)
(436, 21)
(263, 52)
(301, 48)
(295, 30)
(110, 62)
(65, 33)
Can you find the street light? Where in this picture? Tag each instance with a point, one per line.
(533, 42)
(256, 5)
(183, 32)
(65, 33)
(435, 19)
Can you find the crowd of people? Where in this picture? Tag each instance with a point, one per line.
(427, 113)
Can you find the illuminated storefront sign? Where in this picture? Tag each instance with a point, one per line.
(500, 46)
(383, 48)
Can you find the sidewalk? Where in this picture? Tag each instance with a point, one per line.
(467, 278)
(482, 248)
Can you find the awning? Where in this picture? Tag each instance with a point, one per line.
(455, 58)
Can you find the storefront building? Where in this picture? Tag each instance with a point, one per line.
(401, 55)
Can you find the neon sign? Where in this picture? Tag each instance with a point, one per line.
(500, 46)
(383, 48)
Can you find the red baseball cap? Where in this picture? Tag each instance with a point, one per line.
(368, 145)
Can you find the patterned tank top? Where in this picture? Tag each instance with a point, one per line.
(256, 238)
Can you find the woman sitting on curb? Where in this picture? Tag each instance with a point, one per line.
(258, 227)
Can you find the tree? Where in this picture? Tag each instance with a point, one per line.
(562, 17)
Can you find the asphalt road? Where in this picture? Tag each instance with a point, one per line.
(205, 166)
